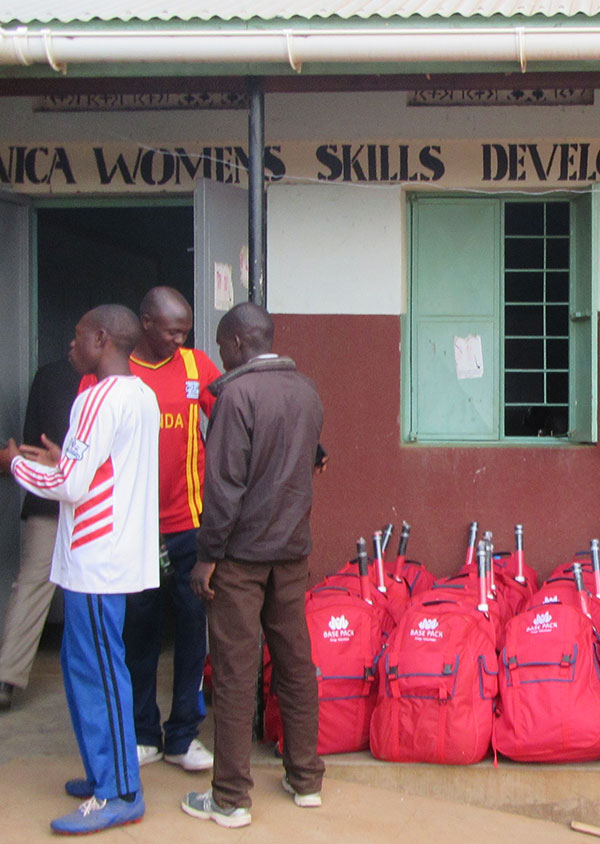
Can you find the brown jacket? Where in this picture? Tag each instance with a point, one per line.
(260, 456)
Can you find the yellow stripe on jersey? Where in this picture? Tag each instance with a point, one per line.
(194, 486)
(189, 361)
(191, 466)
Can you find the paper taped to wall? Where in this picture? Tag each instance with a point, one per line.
(468, 355)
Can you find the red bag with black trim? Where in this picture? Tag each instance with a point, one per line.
(549, 680)
(437, 685)
(346, 642)
(348, 620)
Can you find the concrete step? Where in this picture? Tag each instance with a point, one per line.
(557, 792)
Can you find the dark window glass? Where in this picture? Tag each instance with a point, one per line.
(556, 422)
(523, 254)
(524, 287)
(557, 320)
(557, 218)
(557, 254)
(523, 319)
(524, 387)
(557, 387)
(557, 287)
(524, 354)
(557, 354)
(536, 421)
(536, 318)
(515, 422)
(523, 218)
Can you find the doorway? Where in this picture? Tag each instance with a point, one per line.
(100, 254)
(89, 256)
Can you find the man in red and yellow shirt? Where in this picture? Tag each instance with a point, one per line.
(179, 377)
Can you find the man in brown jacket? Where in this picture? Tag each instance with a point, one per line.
(252, 569)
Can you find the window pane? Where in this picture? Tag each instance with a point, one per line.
(557, 254)
(536, 421)
(524, 387)
(557, 287)
(523, 254)
(524, 218)
(557, 320)
(524, 319)
(557, 387)
(516, 423)
(536, 317)
(524, 354)
(557, 218)
(524, 287)
(557, 354)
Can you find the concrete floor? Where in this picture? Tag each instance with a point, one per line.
(363, 800)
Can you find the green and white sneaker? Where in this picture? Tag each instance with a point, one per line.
(201, 805)
(305, 801)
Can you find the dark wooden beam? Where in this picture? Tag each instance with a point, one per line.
(298, 84)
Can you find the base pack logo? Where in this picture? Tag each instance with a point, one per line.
(542, 623)
(339, 629)
(427, 631)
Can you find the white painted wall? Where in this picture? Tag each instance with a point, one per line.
(359, 116)
(349, 241)
(320, 117)
(334, 249)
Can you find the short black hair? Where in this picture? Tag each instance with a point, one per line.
(120, 323)
(252, 323)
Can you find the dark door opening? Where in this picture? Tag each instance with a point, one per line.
(98, 255)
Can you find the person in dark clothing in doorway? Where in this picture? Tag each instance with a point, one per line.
(52, 393)
(252, 569)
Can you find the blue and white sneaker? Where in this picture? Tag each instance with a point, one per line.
(204, 807)
(95, 815)
(80, 788)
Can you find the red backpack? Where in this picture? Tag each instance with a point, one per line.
(346, 642)
(347, 636)
(437, 685)
(549, 679)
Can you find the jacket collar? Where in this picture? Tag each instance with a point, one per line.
(258, 364)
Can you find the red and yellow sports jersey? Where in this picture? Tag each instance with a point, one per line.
(180, 386)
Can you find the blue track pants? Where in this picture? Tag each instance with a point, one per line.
(98, 689)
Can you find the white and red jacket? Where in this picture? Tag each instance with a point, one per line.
(107, 483)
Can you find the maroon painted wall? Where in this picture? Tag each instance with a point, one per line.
(373, 478)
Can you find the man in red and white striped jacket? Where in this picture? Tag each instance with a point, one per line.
(106, 479)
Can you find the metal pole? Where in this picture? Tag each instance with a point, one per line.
(256, 204)
(256, 277)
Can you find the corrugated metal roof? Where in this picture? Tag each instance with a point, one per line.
(70, 11)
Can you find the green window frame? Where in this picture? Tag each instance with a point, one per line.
(511, 280)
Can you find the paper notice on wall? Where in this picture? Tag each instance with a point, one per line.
(244, 267)
(223, 286)
(468, 355)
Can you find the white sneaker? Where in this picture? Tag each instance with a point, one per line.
(197, 757)
(147, 754)
(305, 801)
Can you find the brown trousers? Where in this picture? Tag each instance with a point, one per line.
(246, 596)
